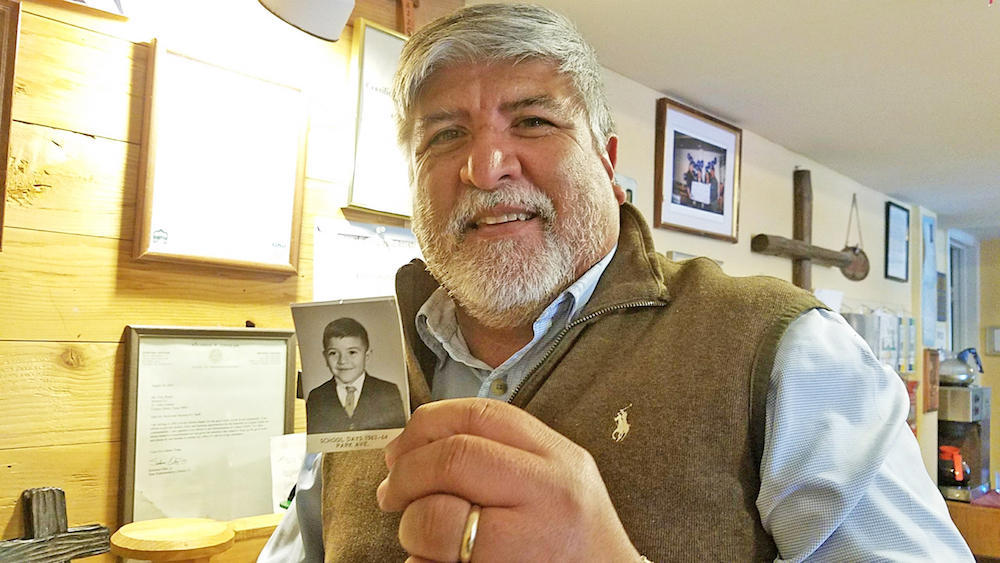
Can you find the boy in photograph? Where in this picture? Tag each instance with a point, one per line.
(352, 399)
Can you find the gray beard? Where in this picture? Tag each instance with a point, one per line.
(506, 283)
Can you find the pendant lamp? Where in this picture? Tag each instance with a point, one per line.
(321, 18)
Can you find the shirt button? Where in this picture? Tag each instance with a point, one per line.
(498, 387)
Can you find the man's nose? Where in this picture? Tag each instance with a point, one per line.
(490, 161)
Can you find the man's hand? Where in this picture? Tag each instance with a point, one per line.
(542, 496)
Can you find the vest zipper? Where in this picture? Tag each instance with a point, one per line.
(577, 322)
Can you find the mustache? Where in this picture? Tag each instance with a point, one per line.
(473, 202)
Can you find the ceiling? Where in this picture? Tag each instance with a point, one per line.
(902, 96)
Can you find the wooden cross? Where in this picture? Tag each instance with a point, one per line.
(851, 261)
(50, 539)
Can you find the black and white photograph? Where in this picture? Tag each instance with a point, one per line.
(353, 373)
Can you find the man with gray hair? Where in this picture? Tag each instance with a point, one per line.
(575, 404)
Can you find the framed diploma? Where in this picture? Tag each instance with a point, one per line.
(222, 167)
(381, 182)
(201, 407)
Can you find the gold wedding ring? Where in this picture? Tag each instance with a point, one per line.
(469, 534)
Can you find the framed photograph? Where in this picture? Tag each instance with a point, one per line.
(380, 183)
(897, 243)
(353, 373)
(697, 172)
(200, 402)
(222, 167)
(10, 12)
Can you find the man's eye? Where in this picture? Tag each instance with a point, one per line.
(531, 122)
(444, 136)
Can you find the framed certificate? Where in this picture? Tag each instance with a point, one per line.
(222, 167)
(201, 407)
(381, 182)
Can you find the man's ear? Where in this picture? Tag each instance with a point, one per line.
(610, 159)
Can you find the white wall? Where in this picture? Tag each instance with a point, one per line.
(765, 205)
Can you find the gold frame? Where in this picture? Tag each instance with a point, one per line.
(158, 107)
(361, 27)
(10, 15)
(663, 127)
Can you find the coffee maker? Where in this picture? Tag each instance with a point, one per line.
(963, 433)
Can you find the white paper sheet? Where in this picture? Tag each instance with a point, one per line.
(203, 433)
(355, 260)
(287, 453)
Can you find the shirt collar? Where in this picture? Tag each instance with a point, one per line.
(437, 322)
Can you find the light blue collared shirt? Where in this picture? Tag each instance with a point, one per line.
(459, 374)
(842, 478)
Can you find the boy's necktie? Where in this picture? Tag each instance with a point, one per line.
(349, 403)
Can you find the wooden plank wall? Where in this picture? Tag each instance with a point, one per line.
(68, 282)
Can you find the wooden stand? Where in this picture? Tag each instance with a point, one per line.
(184, 540)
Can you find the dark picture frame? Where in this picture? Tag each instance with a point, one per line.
(897, 242)
(10, 16)
(697, 174)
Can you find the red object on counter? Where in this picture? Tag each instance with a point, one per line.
(954, 455)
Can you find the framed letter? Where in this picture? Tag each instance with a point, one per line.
(222, 167)
(201, 407)
(10, 12)
(380, 182)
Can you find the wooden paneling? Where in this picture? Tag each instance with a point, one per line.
(68, 282)
(59, 394)
(87, 472)
(71, 183)
(74, 79)
(72, 288)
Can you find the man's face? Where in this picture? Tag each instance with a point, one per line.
(513, 201)
(346, 358)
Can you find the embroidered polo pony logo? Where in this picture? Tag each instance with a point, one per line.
(621, 425)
